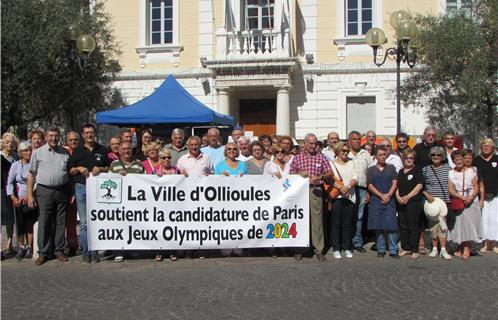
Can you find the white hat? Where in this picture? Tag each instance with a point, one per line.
(435, 209)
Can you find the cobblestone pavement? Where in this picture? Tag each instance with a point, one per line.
(364, 287)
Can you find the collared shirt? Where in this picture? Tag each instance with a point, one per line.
(362, 161)
(18, 178)
(194, 166)
(49, 165)
(315, 164)
(216, 155)
(84, 157)
(175, 154)
(329, 153)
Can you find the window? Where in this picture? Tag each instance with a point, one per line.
(161, 22)
(158, 32)
(358, 17)
(259, 14)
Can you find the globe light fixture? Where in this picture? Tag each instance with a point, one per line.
(404, 51)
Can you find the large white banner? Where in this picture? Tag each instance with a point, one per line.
(213, 212)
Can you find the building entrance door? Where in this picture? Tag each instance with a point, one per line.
(258, 115)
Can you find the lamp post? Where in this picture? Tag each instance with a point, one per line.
(404, 51)
(80, 48)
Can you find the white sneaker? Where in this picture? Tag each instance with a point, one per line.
(119, 259)
(337, 254)
(348, 254)
(433, 253)
(445, 255)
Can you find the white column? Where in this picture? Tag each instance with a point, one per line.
(223, 97)
(283, 112)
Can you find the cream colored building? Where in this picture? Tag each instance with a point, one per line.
(278, 66)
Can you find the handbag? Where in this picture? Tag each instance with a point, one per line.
(456, 204)
(330, 189)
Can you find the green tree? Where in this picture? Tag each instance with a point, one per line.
(457, 80)
(40, 83)
(108, 185)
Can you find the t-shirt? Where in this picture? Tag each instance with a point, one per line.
(408, 181)
(223, 166)
(488, 171)
(135, 166)
(432, 185)
(216, 155)
(83, 157)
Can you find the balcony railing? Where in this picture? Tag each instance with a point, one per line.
(253, 44)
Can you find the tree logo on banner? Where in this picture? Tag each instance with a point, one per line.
(109, 190)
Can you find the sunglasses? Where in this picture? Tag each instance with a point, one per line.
(408, 158)
(345, 150)
(74, 140)
(401, 141)
(279, 151)
(166, 157)
(436, 155)
(231, 149)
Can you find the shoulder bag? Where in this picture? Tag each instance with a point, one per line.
(330, 189)
(456, 204)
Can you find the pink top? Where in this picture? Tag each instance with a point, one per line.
(151, 169)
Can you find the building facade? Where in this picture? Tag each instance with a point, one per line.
(278, 66)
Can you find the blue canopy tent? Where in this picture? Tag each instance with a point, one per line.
(169, 104)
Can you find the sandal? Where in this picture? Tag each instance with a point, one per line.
(404, 253)
(172, 257)
(159, 257)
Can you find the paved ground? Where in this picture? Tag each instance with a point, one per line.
(253, 288)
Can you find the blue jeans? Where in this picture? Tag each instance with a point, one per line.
(80, 193)
(361, 199)
(392, 238)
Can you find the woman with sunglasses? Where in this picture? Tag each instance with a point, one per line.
(165, 157)
(152, 164)
(436, 185)
(463, 185)
(343, 207)
(410, 184)
(231, 166)
(277, 166)
(26, 217)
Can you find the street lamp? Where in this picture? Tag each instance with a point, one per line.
(80, 48)
(404, 51)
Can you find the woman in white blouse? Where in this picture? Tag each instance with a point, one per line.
(277, 166)
(343, 206)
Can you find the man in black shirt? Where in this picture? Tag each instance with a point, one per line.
(423, 149)
(86, 158)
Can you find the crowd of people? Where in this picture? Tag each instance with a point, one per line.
(399, 194)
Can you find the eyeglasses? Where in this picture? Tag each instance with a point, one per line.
(167, 157)
(74, 140)
(436, 155)
(231, 149)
